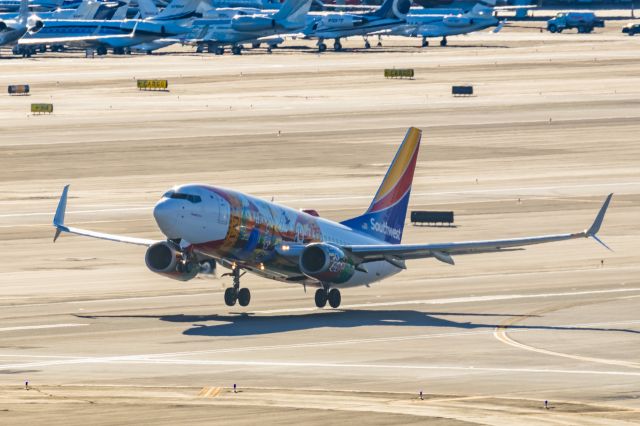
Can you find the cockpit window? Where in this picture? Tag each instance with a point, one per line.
(188, 197)
(168, 194)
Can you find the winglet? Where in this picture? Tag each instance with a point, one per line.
(595, 227)
(58, 219)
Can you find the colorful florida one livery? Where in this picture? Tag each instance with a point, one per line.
(206, 225)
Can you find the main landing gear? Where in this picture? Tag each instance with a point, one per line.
(235, 293)
(324, 295)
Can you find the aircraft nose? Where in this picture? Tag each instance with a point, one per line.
(166, 217)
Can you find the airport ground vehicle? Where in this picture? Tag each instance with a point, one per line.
(205, 225)
(584, 22)
(631, 29)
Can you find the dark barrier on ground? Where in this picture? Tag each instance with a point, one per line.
(18, 89)
(462, 90)
(431, 218)
(398, 73)
(41, 108)
(153, 84)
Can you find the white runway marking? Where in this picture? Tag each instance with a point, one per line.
(470, 299)
(56, 360)
(307, 365)
(38, 327)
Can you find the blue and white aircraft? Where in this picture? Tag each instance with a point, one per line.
(338, 25)
(120, 35)
(234, 26)
(207, 225)
(426, 25)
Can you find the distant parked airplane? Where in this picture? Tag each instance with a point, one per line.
(117, 34)
(206, 224)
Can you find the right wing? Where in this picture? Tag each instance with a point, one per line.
(58, 223)
(396, 254)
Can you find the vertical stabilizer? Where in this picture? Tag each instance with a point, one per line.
(386, 215)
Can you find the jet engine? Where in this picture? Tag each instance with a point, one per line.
(456, 21)
(251, 23)
(401, 8)
(34, 25)
(164, 259)
(3, 26)
(326, 263)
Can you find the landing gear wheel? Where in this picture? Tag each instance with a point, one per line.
(244, 296)
(219, 50)
(322, 47)
(443, 42)
(367, 45)
(236, 50)
(101, 50)
(230, 296)
(425, 42)
(337, 46)
(334, 298)
(321, 298)
(255, 44)
(379, 41)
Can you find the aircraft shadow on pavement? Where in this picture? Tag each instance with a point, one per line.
(248, 324)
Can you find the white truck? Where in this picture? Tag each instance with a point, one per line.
(584, 22)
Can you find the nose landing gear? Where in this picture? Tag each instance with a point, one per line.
(235, 293)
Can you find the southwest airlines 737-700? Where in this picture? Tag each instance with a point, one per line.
(208, 225)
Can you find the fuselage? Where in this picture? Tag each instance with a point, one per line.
(237, 228)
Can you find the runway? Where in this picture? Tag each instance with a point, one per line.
(552, 130)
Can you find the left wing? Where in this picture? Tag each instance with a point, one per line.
(58, 223)
(398, 253)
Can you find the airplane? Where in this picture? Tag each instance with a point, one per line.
(117, 34)
(207, 225)
(33, 5)
(235, 26)
(337, 25)
(425, 25)
(11, 30)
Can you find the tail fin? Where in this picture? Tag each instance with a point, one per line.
(483, 7)
(23, 11)
(293, 11)
(392, 9)
(385, 217)
(147, 9)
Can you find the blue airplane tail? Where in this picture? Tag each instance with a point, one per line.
(386, 215)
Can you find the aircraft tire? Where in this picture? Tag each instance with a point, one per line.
(230, 296)
(322, 47)
(219, 51)
(236, 50)
(367, 45)
(334, 298)
(425, 43)
(337, 47)
(244, 296)
(443, 42)
(321, 298)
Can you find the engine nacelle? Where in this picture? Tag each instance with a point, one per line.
(251, 23)
(162, 258)
(456, 21)
(3, 26)
(34, 25)
(326, 263)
